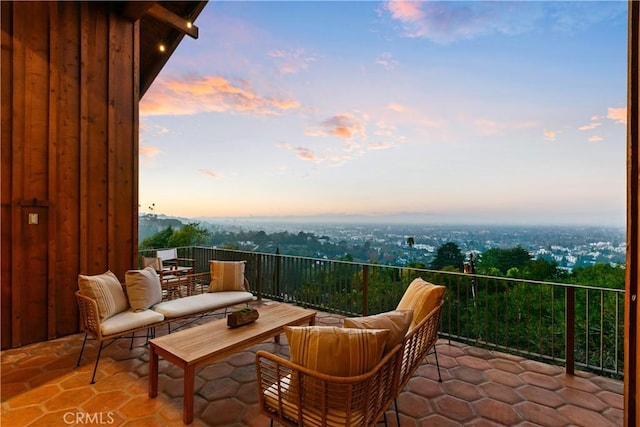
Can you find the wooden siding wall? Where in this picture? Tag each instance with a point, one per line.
(69, 155)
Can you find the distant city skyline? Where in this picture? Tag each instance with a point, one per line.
(442, 112)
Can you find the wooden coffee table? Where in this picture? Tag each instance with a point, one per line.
(202, 345)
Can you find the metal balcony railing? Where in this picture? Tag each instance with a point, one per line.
(571, 325)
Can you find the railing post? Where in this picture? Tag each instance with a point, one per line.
(570, 330)
(259, 276)
(365, 289)
(277, 274)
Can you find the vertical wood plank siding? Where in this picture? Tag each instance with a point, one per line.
(6, 183)
(69, 154)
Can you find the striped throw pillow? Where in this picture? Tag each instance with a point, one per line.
(336, 351)
(227, 276)
(421, 297)
(107, 291)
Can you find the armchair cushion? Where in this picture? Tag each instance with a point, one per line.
(397, 322)
(143, 288)
(107, 291)
(227, 276)
(421, 297)
(336, 351)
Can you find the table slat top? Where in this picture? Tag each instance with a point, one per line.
(216, 339)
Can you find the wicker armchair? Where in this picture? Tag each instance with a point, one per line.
(295, 396)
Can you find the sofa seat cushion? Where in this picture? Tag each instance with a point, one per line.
(200, 303)
(311, 415)
(129, 319)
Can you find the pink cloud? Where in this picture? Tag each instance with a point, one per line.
(549, 135)
(292, 61)
(405, 10)
(148, 151)
(344, 126)
(590, 126)
(195, 95)
(595, 138)
(619, 115)
(302, 153)
(211, 174)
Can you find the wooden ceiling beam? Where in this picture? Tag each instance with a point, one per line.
(166, 16)
(135, 10)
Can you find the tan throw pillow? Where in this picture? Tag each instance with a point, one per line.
(143, 288)
(421, 297)
(107, 291)
(227, 276)
(336, 351)
(397, 322)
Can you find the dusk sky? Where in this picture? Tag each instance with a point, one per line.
(440, 112)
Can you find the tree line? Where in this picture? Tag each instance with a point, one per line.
(514, 262)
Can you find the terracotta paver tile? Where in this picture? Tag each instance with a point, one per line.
(504, 378)
(615, 416)
(469, 375)
(215, 371)
(500, 392)
(580, 417)
(247, 394)
(242, 359)
(506, 365)
(541, 415)
(446, 361)
(540, 395)
(140, 406)
(424, 387)
(106, 401)
(577, 382)
(413, 405)
(222, 413)
(34, 396)
(611, 399)
(69, 399)
(21, 416)
(245, 374)
(17, 375)
(582, 399)
(541, 368)
(611, 385)
(474, 363)
(541, 380)
(437, 421)
(9, 390)
(222, 388)
(480, 353)
(454, 408)
(449, 350)
(497, 411)
(462, 390)
(430, 370)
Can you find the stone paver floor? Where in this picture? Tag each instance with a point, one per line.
(40, 386)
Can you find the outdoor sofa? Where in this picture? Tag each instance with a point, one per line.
(110, 309)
